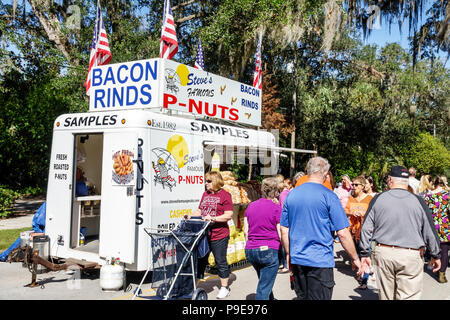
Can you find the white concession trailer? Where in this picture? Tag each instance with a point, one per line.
(144, 155)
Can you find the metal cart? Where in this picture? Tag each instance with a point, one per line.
(174, 261)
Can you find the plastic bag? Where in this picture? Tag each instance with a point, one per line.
(211, 260)
(372, 280)
(231, 252)
(232, 228)
(240, 247)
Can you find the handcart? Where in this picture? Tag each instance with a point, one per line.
(174, 260)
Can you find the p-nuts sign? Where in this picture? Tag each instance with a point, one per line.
(166, 84)
(196, 91)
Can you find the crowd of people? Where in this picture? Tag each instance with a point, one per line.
(294, 226)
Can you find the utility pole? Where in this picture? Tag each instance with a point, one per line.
(293, 113)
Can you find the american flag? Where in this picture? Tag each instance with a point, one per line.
(257, 75)
(100, 52)
(169, 44)
(199, 64)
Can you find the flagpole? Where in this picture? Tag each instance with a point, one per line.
(162, 29)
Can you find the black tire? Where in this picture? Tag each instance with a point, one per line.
(162, 290)
(200, 294)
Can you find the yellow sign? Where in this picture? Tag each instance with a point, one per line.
(178, 147)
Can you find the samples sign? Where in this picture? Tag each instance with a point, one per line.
(165, 84)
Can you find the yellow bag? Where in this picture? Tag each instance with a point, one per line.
(232, 228)
(240, 246)
(231, 252)
(211, 260)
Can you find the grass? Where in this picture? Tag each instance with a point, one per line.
(7, 237)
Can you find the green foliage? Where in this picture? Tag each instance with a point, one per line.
(360, 106)
(7, 198)
(428, 155)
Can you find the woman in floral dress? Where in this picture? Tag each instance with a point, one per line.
(437, 201)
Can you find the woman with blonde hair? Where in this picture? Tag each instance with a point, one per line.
(444, 179)
(216, 206)
(425, 185)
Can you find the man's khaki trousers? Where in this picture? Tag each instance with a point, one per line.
(399, 273)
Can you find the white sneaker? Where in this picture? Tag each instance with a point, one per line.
(223, 293)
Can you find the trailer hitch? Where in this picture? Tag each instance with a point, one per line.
(32, 259)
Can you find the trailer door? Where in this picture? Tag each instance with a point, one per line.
(118, 209)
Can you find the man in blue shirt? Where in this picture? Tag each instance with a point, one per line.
(311, 213)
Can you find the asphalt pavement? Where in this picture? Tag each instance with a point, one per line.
(23, 214)
(85, 285)
(76, 285)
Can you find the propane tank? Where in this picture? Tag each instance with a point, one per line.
(111, 275)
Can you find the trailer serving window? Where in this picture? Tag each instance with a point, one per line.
(265, 158)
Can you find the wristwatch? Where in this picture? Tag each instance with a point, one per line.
(214, 219)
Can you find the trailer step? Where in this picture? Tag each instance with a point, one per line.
(82, 263)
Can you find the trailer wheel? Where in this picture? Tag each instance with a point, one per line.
(200, 294)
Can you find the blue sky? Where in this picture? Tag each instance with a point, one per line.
(381, 35)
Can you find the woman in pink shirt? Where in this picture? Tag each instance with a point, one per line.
(262, 235)
(344, 191)
(284, 188)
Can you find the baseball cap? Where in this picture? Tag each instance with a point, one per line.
(399, 172)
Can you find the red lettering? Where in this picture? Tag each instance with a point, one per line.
(208, 112)
(223, 108)
(193, 104)
(180, 178)
(188, 179)
(201, 179)
(234, 114)
(169, 99)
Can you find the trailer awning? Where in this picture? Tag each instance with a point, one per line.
(272, 148)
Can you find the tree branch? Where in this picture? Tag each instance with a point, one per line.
(184, 4)
(52, 27)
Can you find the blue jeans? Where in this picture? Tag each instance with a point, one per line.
(266, 265)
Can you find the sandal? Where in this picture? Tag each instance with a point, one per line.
(363, 287)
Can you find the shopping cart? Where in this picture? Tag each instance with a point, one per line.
(174, 261)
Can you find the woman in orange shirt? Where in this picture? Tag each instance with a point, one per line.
(356, 207)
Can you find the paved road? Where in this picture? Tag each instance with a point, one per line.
(23, 214)
(73, 285)
(62, 286)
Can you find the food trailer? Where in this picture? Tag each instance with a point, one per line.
(141, 153)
